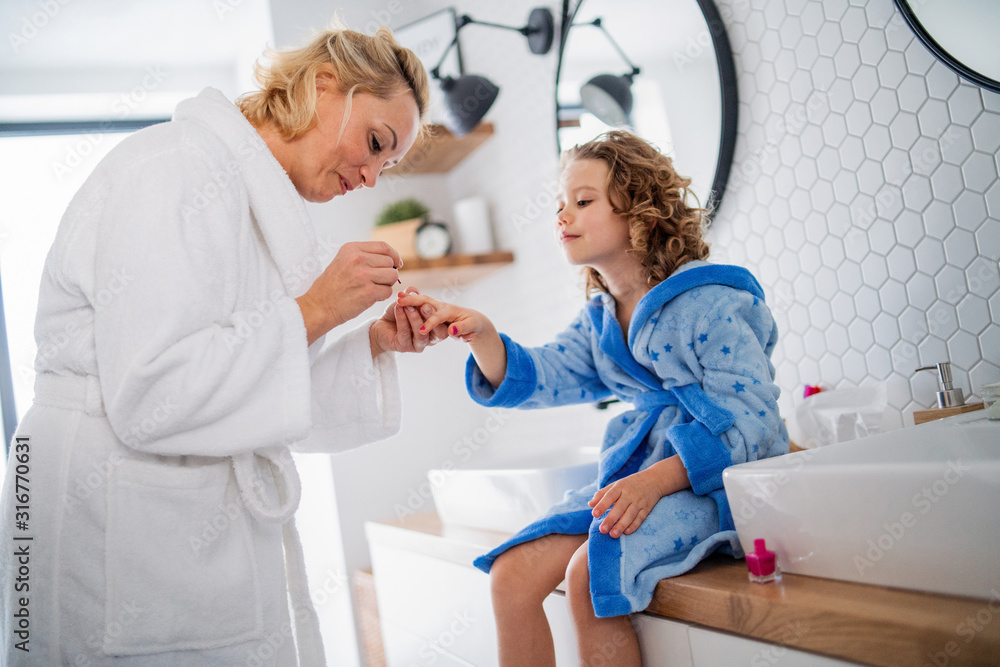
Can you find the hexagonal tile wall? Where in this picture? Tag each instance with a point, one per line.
(865, 196)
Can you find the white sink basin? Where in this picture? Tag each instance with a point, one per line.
(508, 495)
(914, 508)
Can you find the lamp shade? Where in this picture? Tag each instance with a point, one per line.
(467, 99)
(608, 97)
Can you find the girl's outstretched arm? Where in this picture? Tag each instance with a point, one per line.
(468, 325)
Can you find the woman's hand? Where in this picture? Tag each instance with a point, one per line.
(399, 329)
(361, 274)
(462, 323)
(469, 326)
(632, 498)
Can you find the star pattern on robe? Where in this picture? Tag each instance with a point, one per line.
(694, 540)
(654, 355)
(762, 413)
(691, 345)
(668, 347)
(678, 544)
(739, 386)
(702, 338)
(729, 319)
(725, 349)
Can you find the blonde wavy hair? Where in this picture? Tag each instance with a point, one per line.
(376, 65)
(665, 230)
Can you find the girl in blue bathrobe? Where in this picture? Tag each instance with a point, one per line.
(687, 343)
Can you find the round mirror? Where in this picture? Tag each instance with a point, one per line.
(662, 70)
(962, 34)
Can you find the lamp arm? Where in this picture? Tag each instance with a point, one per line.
(526, 30)
(598, 24)
(436, 70)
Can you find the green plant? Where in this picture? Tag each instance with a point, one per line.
(404, 209)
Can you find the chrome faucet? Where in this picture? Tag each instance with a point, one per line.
(947, 396)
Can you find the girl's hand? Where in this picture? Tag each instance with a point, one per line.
(631, 499)
(398, 330)
(462, 323)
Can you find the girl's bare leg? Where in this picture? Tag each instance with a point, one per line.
(520, 580)
(600, 641)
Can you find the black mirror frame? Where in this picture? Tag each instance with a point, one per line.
(939, 52)
(728, 92)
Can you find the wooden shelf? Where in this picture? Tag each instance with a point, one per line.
(440, 151)
(452, 270)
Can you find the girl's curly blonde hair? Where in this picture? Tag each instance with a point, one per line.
(376, 65)
(664, 229)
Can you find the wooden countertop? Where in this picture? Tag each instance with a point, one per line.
(855, 622)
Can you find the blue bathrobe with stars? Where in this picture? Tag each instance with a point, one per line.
(696, 368)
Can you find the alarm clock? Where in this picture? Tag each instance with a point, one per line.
(432, 240)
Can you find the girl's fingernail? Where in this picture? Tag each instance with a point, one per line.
(423, 327)
(454, 331)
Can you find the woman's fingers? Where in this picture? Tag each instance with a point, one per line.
(381, 248)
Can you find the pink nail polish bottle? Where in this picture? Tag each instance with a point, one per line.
(761, 564)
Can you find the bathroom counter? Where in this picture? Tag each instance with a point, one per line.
(843, 620)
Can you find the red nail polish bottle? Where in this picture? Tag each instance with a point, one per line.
(761, 564)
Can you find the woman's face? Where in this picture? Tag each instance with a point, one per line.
(324, 163)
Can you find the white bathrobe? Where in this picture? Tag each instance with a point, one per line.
(173, 376)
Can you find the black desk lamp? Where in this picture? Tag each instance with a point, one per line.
(609, 96)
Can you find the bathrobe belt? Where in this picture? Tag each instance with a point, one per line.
(624, 459)
(79, 392)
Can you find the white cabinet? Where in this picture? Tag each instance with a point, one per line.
(437, 611)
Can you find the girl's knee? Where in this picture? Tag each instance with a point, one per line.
(578, 582)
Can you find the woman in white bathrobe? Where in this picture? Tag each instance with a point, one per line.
(180, 323)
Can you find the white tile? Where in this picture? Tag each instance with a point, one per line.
(986, 132)
(845, 183)
(956, 145)
(979, 171)
(871, 178)
(808, 253)
(830, 368)
(988, 235)
(874, 270)
(933, 118)
(901, 263)
(939, 219)
(832, 250)
(847, 60)
(770, 45)
(784, 64)
(865, 81)
(842, 305)
(828, 39)
(984, 372)
(973, 314)
(965, 103)
(913, 325)
(873, 47)
(950, 284)
(828, 163)
(931, 350)
(881, 235)
(815, 344)
(904, 358)
(946, 182)
(867, 303)
(812, 141)
(886, 330)
(819, 314)
(823, 72)
(929, 254)
(942, 321)
(896, 166)
(941, 81)
(992, 199)
(853, 25)
(904, 130)
(983, 279)
(859, 118)
(795, 236)
(917, 192)
(839, 219)
(911, 93)
(920, 290)
(970, 210)
(855, 368)
(784, 183)
(963, 351)
(892, 296)
(849, 277)
(852, 153)
(826, 282)
(836, 338)
(918, 59)
(798, 318)
(891, 69)
(821, 195)
(879, 362)
(834, 130)
(909, 228)
(960, 248)
(884, 106)
(925, 155)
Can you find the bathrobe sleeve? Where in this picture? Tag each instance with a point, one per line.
(562, 372)
(728, 354)
(181, 371)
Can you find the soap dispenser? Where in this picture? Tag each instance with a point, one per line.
(950, 401)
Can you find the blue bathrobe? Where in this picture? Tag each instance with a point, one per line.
(697, 370)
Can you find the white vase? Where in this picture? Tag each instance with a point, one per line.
(472, 226)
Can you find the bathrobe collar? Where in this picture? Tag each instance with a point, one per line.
(276, 206)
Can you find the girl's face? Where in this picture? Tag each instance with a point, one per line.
(587, 228)
(325, 163)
